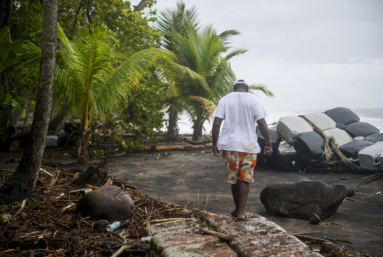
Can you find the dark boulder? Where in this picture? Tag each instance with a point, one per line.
(302, 199)
(109, 203)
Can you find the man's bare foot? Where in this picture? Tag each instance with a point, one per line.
(234, 214)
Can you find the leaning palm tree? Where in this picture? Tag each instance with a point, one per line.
(95, 75)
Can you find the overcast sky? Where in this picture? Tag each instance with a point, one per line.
(313, 54)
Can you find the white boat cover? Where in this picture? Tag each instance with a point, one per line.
(321, 120)
(370, 157)
(291, 126)
(341, 136)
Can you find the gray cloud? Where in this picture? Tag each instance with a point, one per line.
(313, 54)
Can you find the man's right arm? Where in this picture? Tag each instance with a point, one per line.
(262, 125)
(215, 131)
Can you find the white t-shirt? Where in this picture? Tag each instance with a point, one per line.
(240, 110)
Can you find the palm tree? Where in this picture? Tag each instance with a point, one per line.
(171, 21)
(203, 52)
(94, 75)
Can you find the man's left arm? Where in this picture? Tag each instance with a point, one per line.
(215, 131)
(262, 125)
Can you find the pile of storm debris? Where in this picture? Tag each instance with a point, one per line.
(83, 213)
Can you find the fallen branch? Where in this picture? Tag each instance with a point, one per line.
(21, 208)
(310, 232)
(312, 239)
(171, 219)
(215, 233)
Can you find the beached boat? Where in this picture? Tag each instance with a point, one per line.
(351, 150)
(361, 129)
(291, 126)
(369, 157)
(342, 115)
(375, 137)
(310, 146)
(321, 120)
(341, 137)
(289, 159)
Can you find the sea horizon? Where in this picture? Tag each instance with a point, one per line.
(373, 116)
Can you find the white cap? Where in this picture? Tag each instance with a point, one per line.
(241, 81)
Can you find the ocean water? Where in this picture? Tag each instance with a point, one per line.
(372, 116)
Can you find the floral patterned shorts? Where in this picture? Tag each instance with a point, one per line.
(239, 165)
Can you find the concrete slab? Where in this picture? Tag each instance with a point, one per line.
(192, 225)
(255, 237)
(164, 240)
(210, 249)
(268, 245)
(256, 225)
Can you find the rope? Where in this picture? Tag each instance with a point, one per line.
(330, 142)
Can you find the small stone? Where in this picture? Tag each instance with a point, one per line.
(100, 225)
(330, 250)
(315, 220)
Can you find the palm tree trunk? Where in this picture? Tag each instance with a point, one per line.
(197, 128)
(20, 185)
(83, 151)
(172, 132)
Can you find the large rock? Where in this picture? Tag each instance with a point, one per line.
(109, 203)
(304, 198)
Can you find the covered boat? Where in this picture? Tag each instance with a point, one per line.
(361, 129)
(369, 157)
(351, 150)
(289, 159)
(341, 136)
(375, 137)
(342, 115)
(309, 145)
(321, 120)
(291, 126)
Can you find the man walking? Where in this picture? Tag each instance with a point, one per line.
(238, 140)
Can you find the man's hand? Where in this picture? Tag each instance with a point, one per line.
(216, 151)
(268, 151)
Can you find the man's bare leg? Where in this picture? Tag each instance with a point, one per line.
(235, 192)
(240, 192)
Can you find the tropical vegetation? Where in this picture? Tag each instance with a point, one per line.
(116, 62)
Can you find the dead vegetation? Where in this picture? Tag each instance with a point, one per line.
(47, 224)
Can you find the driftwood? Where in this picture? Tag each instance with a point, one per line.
(312, 239)
(218, 234)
